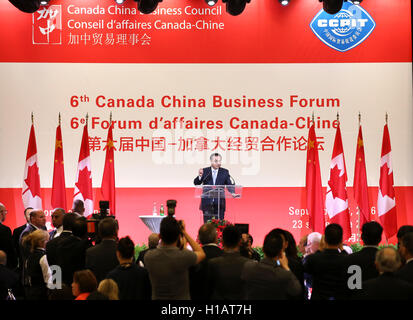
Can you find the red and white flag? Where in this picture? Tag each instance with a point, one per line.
(386, 200)
(59, 185)
(336, 197)
(361, 194)
(108, 180)
(31, 181)
(315, 203)
(83, 184)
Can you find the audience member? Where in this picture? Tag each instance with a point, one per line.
(8, 278)
(37, 274)
(78, 207)
(57, 222)
(207, 236)
(101, 259)
(400, 233)
(271, 278)
(71, 255)
(371, 233)
(313, 243)
(386, 286)
(84, 283)
(37, 221)
(17, 233)
(65, 293)
(109, 288)
(224, 272)
(53, 246)
(246, 249)
(302, 244)
(406, 251)
(132, 280)
(6, 239)
(327, 267)
(153, 241)
(168, 265)
(96, 295)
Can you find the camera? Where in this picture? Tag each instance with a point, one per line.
(92, 224)
(171, 204)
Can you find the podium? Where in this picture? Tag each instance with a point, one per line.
(217, 193)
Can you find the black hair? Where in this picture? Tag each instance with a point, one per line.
(79, 228)
(333, 234)
(273, 244)
(170, 230)
(371, 233)
(403, 230)
(69, 220)
(231, 237)
(126, 248)
(407, 241)
(108, 227)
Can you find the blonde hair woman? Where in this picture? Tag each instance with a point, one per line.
(37, 273)
(109, 288)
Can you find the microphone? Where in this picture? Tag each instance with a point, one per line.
(203, 180)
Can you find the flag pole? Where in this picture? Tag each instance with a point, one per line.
(358, 208)
(32, 118)
(59, 119)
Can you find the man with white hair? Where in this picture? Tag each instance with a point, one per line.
(387, 286)
(313, 243)
(6, 242)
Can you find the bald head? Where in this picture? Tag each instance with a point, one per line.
(388, 260)
(3, 258)
(57, 217)
(38, 218)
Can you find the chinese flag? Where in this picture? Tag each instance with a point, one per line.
(361, 195)
(336, 197)
(83, 184)
(31, 181)
(315, 203)
(386, 200)
(108, 180)
(59, 186)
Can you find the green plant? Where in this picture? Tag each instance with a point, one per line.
(138, 249)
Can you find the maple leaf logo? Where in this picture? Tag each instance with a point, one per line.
(83, 184)
(32, 181)
(386, 182)
(337, 184)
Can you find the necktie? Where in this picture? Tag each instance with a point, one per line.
(214, 175)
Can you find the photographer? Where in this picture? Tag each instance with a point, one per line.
(169, 263)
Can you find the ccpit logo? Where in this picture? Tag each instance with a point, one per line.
(344, 30)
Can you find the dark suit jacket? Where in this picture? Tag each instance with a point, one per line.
(224, 277)
(8, 280)
(329, 274)
(6, 245)
(16, 242)
(365, 258)
(71, 256)
(198, 282)
(385, 287)
(406, 272)
(267, 281)
(53, 247)
(101, 259)
(223, 178)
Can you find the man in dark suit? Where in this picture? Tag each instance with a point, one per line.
(406, 251)
(71, 255)
(8, 278)
(371, 233)
(400, 233)
(208, 238)
(57, 222)
(271, 278)
(6, 240)
(387, 286)
(17, 233)
(214, 175)
(153, 241)
(101, 259)
(328, 268)
(224, 272)
(53, 246)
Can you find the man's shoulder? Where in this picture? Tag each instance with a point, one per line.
(4, 228)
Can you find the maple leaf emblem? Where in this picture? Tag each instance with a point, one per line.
(83, 184)
(337, 184)
(32, 181)
(386, 182)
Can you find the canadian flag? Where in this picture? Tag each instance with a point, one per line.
(386, 200)
(31, 181)
(83, 184)
(336, 197)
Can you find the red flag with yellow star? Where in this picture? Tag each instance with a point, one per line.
(361, 194)
(59, 186)
(315, 203)
(108, 180)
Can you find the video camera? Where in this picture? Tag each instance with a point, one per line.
(92, 224)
